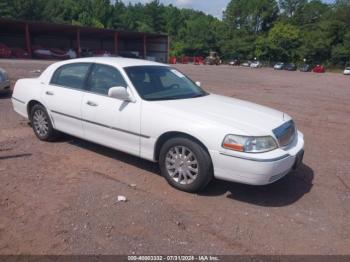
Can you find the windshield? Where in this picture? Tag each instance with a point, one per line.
(162, 83)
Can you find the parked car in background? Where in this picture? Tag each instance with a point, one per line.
(86, 52)
(256, 64)
(4, 81)
(290, 67)
(5, 51)
(305, 68)
(278, 66)
(247, 64)
(155, 112)
(319, 69)
(347, 71)
(234, 62)
(19, 53)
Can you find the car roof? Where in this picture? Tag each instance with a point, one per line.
(118, 62)
(115, 61)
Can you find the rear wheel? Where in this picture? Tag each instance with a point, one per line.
(185, 164)
(41, 123)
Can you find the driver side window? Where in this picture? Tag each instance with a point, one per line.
(103, 77)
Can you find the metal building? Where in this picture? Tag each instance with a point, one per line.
(29, 36)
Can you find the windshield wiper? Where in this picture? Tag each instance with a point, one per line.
(198, 95)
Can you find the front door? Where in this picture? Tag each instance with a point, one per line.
(109, 121)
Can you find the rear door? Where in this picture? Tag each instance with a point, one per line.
(109, 121)
(63, 97)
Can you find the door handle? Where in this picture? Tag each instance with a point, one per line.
(91, 103)
(49, 93)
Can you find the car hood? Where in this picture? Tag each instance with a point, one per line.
(244, 117)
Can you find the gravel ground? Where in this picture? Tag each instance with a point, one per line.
(61, 198)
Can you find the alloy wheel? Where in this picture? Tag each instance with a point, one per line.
(40, 123)
(182, 165)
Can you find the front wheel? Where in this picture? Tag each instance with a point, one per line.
(41, 124)
(185, 164)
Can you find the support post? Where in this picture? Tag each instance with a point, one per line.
(28, 43)
(144, 46)
(78, 43)
(116, 43)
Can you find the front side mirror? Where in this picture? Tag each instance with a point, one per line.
(198, 84)
(121, 93)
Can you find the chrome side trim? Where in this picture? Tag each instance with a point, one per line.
(20, 101)
(102, 125)
(257, 159)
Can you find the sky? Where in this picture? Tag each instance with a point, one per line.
(212, 7)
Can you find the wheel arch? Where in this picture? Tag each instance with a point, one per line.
(34, 102)
(172, 134)
(30, 105)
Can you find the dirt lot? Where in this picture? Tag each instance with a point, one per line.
(61, 198)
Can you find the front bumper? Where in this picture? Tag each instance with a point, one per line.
(258, 169)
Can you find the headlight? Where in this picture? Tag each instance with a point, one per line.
(249, 144)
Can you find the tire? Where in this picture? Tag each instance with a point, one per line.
(185, 164)
(41, 124)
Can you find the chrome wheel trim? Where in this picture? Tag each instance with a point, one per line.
(40, 123)
(182, 165)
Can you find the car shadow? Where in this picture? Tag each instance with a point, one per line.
(284, 192)
(113, 154)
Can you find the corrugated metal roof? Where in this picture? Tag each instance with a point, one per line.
(38, 26)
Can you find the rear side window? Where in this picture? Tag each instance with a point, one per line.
(72, 75)
(103, 77)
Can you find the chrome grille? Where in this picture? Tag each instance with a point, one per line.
(285, 133)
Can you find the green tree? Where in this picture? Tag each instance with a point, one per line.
(154, 16)
(262, 48)
(252, 15)
(174, 20)
(25, 9)
(118, 16)
(283, 41)
(6, 8)
(101, 12)
(64, 11)
(292, 7)
(312, 12)
(341, 52)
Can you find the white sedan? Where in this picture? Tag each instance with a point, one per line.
(278, 66)
(347, 71)
(155, 112)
